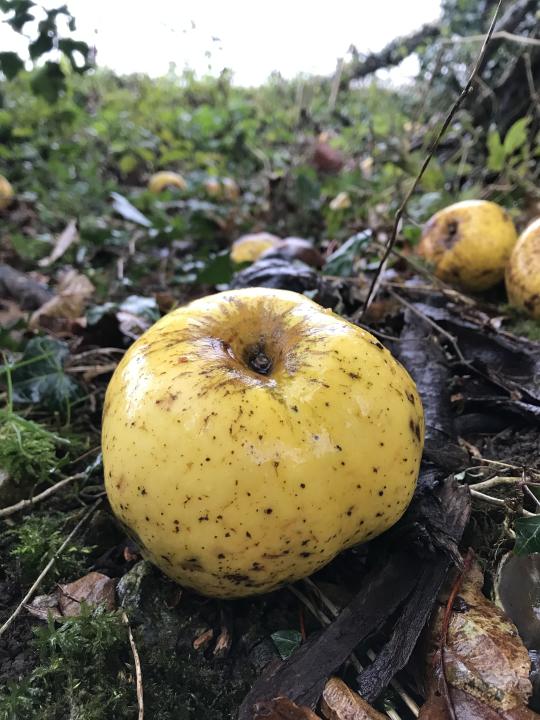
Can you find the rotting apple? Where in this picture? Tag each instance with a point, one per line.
(252, 435)
(523, 271)
(469, 243)
(249, 248)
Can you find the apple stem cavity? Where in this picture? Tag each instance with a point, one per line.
(257, 359)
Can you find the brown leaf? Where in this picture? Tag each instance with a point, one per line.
(73, 293)
(339, 702)
(67, 237)
(92, 589)
(282, 708)
(466, 707)
(486, 664)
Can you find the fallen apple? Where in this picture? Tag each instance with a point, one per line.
(469, 243)
(249, 248)
(164, 179)
(252, 435)
(523, 271)
(6, 193)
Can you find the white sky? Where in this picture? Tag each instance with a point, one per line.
(253, 38)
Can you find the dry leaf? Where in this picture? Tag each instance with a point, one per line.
(282, 709)
(486, 664)
(72, 294)
(339, 702)
(67, 237)
(92, 589)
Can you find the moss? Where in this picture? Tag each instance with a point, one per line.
(35, 541)
(82, 672)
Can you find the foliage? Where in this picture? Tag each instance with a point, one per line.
(49, 79)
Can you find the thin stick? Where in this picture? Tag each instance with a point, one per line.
(46, 569)
(450, 116)
(138, 671)
(467, 563)
(29, 502)
(497, 501)
(494, 481)
(499, 35)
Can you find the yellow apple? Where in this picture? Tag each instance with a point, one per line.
(523, 271)
(469, 243)
(252, 435)
(249, 248)
(6, 193)
(164, 179)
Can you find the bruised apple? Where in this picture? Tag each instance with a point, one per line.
(252, 435)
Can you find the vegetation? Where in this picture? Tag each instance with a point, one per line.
(78, 144)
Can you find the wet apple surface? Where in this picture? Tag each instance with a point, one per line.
(252, 435)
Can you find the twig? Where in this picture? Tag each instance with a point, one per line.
(494, 481)
(47, 567)
(450, 116)
(138, 671)
(29, 502)
(444, 631)
(497, 501)
(499, 35)
(335, 84)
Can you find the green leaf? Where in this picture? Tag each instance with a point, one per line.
(341, 262)
(527, 535)
(39, 377)
(516, 136)
(496, 151)
(286, 642)
(73, 48)
(217, 270)
(10, 64)
(49, 81)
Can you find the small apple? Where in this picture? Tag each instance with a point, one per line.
(212, 187)
(6, 193)
(523, 271)
(469, 243)
(164, 179)
(249, 248)
(252, 435)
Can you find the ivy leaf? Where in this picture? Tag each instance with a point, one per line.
(217, 270)
(527, 535)
(40, 379)
(341, 262)
(286, 642)
(516, 136)
(10, 64)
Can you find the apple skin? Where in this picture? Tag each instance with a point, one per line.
(165, 179)
(235, 482)
(523, 271)
(469, 243)
(6, 193)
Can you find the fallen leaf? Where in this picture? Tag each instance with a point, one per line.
(72, 295)
(93, 589)
(282, 708)
(128, 211)
(339, 702)
(486, 665)
(517, 592)
(66, 601)
(67, 237)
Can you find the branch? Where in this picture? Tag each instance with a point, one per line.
(392, 54)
